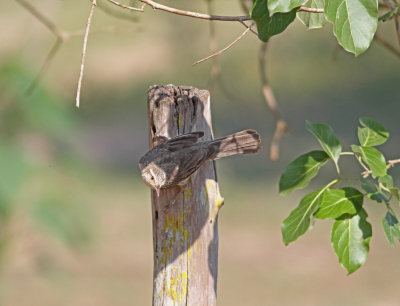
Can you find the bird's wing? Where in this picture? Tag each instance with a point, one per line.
(182, 141)
(189, 162)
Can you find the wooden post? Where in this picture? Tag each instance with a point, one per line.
(185, 224)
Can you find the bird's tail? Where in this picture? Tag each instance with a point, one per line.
(244, 142)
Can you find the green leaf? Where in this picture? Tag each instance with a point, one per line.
(372, 134)
(373, 158)
(373, 191)
(313, 20)
(337, 202)
(298, 222)
(267, 25)
(327, 139)
(283, 6)
(391, 227)
(301, 171)
(355, 22)
(350, 239)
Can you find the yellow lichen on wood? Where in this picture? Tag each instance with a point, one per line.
(212, 189)
(177, 286)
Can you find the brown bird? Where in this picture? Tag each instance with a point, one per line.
(174, 160)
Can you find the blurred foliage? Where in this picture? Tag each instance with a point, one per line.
(33, 131)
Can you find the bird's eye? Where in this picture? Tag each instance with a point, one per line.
(152, 178)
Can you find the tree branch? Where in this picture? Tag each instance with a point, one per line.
(224, 49)
(269, 97)
(128, 7)
(157, 6)
(85, 39)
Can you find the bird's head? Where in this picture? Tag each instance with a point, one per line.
(154, 177)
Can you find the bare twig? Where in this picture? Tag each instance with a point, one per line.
(269, 97)
(158, 6)
(128, 7)
(387, 45)
(85, 39)
(116, 13)
(224, 49)
(172, 10)
(45, 66)
(246, 26)
(392, 162)
(43, 19)
(367, 172)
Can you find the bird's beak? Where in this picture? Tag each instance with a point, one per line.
(158, 192)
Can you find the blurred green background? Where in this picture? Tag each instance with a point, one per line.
(75, 222)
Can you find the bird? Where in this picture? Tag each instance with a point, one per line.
(172, 161)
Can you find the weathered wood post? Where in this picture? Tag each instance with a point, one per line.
(185, 224)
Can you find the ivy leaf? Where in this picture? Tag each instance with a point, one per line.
(373, 191)
(283, 6)
(327, 139)
(337, 202)
(372, 134)
(350, 239)
(391, 227)
(298, 222)
(267, 25)
(301, 171)
(373, 158)
(355, 22)
(313, 20)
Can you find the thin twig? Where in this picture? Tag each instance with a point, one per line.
(367, 172)
(246, 26)
(45, 66)
(392, 162)
(224, 49)
(43, 19)
(128, 7)
(387, 45)
(269, 97)
(158, 6)
(116, 13)
(85, 39)
(172, 10)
